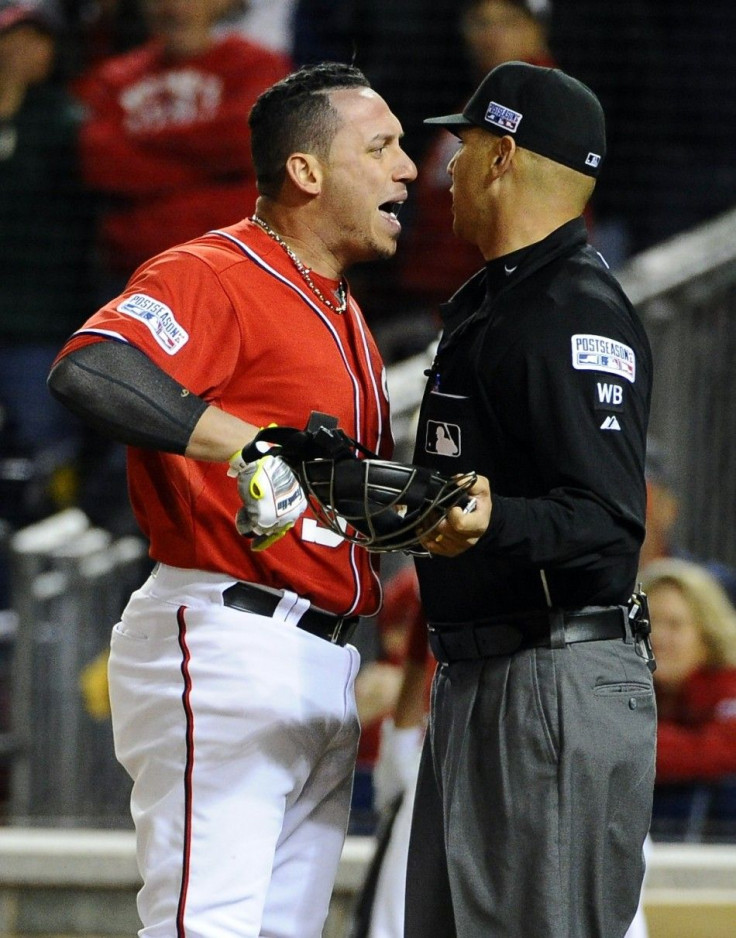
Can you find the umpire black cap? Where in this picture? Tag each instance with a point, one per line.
(543, 109)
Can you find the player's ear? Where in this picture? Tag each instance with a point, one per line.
(305, 171)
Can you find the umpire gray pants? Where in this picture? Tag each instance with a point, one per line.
(534, 796)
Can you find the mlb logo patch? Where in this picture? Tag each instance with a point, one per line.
(503, 117)
(442, 439)
(593, 159)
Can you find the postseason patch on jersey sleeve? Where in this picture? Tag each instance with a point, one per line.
(159, 318)
(597, 353)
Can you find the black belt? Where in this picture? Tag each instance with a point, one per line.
(504, 635)
(248, 597)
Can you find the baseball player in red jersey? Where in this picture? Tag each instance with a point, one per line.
(231, 678)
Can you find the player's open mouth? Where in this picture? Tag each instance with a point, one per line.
(390, 211)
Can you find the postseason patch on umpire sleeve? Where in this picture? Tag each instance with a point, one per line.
(159, 318)
(597, 353)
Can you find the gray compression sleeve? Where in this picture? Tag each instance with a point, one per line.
(119, 391)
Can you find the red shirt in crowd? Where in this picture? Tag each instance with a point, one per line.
(696, 735)
(168, 141)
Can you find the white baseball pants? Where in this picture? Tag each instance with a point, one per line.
(240, 734)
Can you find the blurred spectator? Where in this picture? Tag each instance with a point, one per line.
(379, 911)
(663, 505)
(433, 262)
(45, 249)
(694, 640)
(99, 29)
(379, 681)
(166, 137)
(663, 508)
(377, 689)
(267, 22)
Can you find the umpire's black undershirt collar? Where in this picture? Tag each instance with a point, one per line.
(503, 271)
(476, 298)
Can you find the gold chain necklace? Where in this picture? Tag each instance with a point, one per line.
(305, 271)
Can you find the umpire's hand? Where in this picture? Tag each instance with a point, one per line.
(462, 527)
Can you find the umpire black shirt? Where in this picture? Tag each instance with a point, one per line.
(542, 382)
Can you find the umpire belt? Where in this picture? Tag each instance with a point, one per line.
(504, 635)
(263, 601)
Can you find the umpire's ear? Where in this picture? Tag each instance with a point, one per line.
(305, 172)
(502, 152)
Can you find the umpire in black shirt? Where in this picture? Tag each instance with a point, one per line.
(535, 788)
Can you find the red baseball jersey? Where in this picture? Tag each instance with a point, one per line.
(229, 317)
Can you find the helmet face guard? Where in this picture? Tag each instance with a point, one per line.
(381, 505)
(378, 504)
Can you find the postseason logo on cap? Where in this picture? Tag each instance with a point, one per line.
(503, 117)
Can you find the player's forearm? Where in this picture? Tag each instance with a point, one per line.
(217, 435)
(122, 393)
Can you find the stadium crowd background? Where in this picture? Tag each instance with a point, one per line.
(663, 70)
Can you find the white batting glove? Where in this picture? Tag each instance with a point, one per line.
(272, 500)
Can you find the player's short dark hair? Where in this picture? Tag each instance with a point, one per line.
(295, 115)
